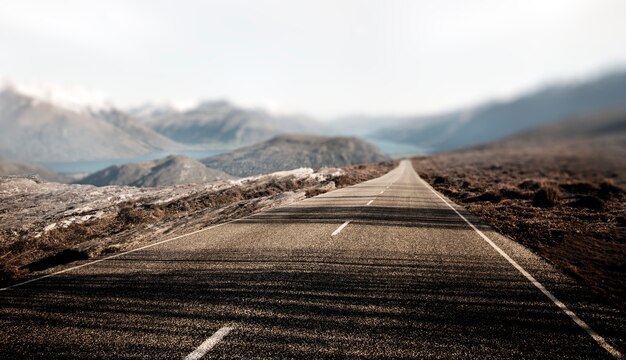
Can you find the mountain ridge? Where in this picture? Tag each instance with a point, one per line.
(171, 170)
(494, 120)
(33, 130)
(22, 169)
(291, 151)
(224, 123)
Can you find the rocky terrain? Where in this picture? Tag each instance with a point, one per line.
(17, 168)
(33, 130)
(559, 190)
(44, 224)
(287, 152)
(219, 122)
(172, 170)
(495, 120)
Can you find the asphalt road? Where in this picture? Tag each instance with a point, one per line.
(407, 277)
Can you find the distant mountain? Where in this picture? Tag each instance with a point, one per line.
(496, 120)
(136, 129)
(363, 125)
(607, 129)
(151, 111)
(590, 146)
(286, 152)
(8, 167)
(37, 131)
(220, 122)
(172, 170)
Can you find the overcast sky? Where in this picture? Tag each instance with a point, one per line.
(323, 58)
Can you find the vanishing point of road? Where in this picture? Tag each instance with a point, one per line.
(386, 269)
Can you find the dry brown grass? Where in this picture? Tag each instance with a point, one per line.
(547, 196)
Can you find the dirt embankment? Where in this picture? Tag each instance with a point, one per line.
(46, 224)
(566, 201)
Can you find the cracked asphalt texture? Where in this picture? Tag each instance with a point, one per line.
(406, 278)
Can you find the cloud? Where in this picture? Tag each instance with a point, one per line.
(71, 97)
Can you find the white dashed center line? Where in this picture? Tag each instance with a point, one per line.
(369, 202)
(382, 192)
(340, 228)
(209, 343)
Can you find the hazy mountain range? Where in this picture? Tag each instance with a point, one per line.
(609, 126)
(287, 152)
(495, 120)
(37, 131)
(219, 122)
(592, 141)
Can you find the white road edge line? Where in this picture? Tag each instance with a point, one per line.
(209, 343)
(114, 256)
(369, 202)
(340, 228)
(599, 339)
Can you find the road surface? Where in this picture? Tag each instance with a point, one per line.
(386, 269)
